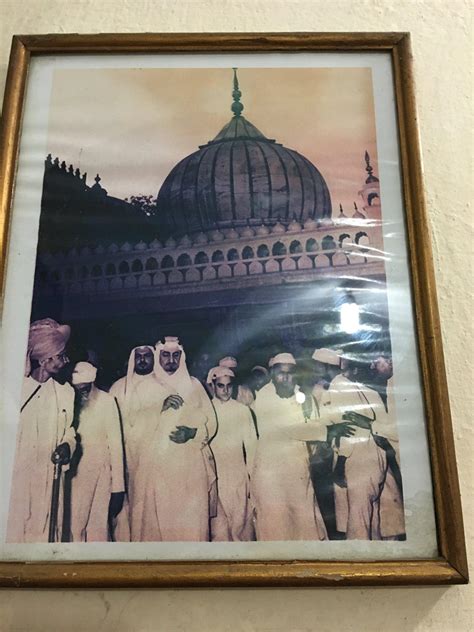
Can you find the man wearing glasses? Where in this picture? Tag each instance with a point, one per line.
(44, 434)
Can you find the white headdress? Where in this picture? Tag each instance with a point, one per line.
(84, 373)
(282, 358)
(219, 371)
(327, 356)
(179, 382)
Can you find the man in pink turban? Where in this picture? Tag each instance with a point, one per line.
(44, 435)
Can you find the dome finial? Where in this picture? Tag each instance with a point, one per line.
(236, 106)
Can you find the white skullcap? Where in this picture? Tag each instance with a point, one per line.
(219, 371)
(229, 362)
(282, 358)
(327, 356)
(171, 343)
(84, 373)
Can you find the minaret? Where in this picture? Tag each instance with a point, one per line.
(370, 192)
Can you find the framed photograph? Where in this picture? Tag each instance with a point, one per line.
(221, 357)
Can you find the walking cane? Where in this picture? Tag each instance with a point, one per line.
(53, 515)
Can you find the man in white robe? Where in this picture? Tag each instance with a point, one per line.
(233, 447)
(133, 401)
(98, 480)
(44, 435)
(285, 503)
(361, 465)
(176, 483)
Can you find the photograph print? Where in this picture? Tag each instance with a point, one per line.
(216, 352)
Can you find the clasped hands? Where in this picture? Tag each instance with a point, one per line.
(180, 434)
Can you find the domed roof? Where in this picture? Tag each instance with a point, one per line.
(240, 177)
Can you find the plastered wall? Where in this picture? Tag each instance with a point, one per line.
(441, 33)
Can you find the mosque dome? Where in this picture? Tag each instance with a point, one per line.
(240, 177)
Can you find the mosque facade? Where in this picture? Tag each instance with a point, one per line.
(244, 245)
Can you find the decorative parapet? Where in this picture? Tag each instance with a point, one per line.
(228, 254)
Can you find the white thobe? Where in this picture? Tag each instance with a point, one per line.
(134, 396)
(45, 423)
(285, 504)
(233, 448)
(100, 471)
(358, 505)
(175, 487)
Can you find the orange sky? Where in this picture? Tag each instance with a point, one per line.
(133, 125)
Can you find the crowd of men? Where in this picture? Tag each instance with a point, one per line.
(164, 456)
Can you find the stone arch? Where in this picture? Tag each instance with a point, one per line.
(233, 255)
(217, 256)
(328, 243)
(167, 262)
(124, 268)
(137, 266)
(272, 266)
(305, 263)
(322, 261)
(184, 260)
(295, 247)
(343, 238)
(279, 249)
(96, 270)
(248, 253)
(209, 273)
(144, 280)
(263, 251)
(151, 264)
(312, 245)
(362, 239)
(240, 269)
(201, 258)
(192, 275)
(116, 283)
(339, 259)
(371, 197)
(110, 269)
(175, 276)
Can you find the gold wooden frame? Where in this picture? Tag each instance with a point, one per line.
(451, 565)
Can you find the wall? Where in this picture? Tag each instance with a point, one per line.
(441, 33)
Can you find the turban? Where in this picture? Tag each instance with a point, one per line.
(219, 371)
(46, 339)
(281, 358)
(229, 362)
(84, 373)
(327, 356)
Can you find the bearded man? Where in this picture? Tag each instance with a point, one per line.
(44, 437)
(285, 503)
(176, 481)
(98, 482)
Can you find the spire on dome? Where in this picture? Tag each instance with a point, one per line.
(236, 106)
(369, 169)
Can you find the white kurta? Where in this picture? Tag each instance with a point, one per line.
(100, 471)
(174, 487)
(234, 449)
(285, 504)
(44, 424)
(358, 505)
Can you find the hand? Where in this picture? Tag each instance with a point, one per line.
(62, 454)
(182, 434)
(173, 401)
(358, 420)
(116, 503)
(336, 431)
